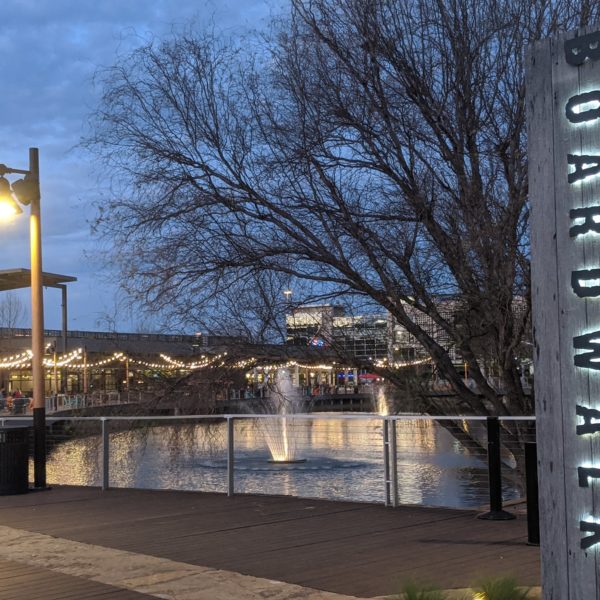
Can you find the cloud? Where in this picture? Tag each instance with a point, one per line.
(50, 52)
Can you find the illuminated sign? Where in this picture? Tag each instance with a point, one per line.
(584, 108)
(563, 103)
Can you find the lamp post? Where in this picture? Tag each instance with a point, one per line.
(27, 192)
(288, 296)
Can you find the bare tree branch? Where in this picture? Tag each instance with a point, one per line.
(372, 149)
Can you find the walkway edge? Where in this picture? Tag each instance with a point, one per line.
(467, 593)
(146, 574)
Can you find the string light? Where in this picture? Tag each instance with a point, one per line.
(16, 360)
(201, 364)
(168, 363)
(385, 364)
(64, 360)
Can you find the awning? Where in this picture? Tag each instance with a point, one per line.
(369, 376)
(13, 279)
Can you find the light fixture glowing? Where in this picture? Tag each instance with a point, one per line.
(8, 206)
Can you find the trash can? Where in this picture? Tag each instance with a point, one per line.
(14, 460)
(20, 406)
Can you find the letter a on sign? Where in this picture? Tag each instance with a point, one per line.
(591, 420)
(590, 224)
(585, 165)
(591, 540)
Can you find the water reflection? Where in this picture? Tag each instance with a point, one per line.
(344, 461)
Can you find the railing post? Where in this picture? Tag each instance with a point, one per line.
(393, 461)
(105, 454)
(386, 462)
(230, 457)
(533, 508)
(496, 512)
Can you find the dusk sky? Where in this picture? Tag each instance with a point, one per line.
(50, 52)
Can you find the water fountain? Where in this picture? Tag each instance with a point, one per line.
(381, 401)
(283, 401)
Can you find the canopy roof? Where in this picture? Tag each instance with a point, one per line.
(12, 279)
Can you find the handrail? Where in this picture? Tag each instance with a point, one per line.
(320, 416)
(382, 427)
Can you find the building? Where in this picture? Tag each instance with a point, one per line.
(107, 361)
(368, 337)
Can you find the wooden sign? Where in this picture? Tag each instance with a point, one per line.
(563, 104)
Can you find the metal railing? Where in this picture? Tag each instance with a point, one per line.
(60, 402)
(12, 332)
(400, 459)
(63, 402)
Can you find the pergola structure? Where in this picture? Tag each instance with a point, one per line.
(14, 279)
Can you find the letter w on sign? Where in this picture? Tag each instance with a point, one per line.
(587, 360)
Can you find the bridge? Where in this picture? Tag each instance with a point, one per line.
(345, 399)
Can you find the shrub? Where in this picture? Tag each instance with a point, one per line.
(412, 591)
(504, 588)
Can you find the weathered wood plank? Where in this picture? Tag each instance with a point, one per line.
(23, 582)
(564, 307)
(546, 314)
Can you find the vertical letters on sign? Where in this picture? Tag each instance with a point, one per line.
(563, 103)
(583, 166)
(591, 420)
(590, 217)
(583, 108)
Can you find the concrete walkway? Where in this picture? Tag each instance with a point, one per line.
(148, 575)
(196, 546)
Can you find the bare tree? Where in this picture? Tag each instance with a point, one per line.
(369, 149)
(12, 311)
(251, 307)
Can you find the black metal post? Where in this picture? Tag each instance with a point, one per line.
(533, 507)
(496, 512)
(230, 457)
(105, 454)
(63, 305)
(39, 448)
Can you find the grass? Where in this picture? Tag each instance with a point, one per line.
(504, 588)
(413, 591)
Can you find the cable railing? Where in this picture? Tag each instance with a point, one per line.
(395, 460)
(65, 402)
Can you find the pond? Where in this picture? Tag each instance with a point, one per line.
(342, 459)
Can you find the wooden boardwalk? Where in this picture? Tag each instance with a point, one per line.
(356, 549)
(22, 582)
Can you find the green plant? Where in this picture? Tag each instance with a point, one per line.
(413, 591)
(503, 588)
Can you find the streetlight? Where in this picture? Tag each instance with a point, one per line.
(26, 191)
(288, 297)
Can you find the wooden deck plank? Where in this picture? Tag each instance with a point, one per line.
(23, 582)
(351, 548)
